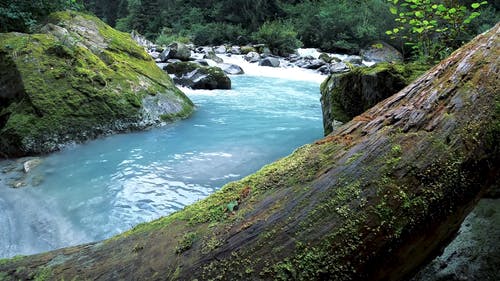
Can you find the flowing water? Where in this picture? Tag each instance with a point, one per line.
(92, 191)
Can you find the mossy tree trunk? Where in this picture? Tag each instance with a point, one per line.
(372, 202)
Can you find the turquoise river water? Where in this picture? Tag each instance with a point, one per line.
(92, 191)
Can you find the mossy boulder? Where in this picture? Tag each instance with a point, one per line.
(346, 95)
(196, 76)
(77, 80)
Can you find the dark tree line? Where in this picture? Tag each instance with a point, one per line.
(332, 25)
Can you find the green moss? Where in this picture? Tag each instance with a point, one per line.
(10, 260)
(186, 242)
(43, 274)
(181, 68)
(74, 91)
(349, 94)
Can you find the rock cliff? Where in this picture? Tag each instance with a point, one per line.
(373, 201)
(76, 80)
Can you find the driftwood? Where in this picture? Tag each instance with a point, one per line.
(373, 201)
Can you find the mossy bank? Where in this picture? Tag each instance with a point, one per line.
(76, 80)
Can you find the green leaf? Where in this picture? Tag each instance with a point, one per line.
(419, 14)
(388, 32)
(452, 10)
(441, 8)
(475, 5)
(418, 30)
(393, 10)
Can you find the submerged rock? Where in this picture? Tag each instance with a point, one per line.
(30, 164)
(78, 80)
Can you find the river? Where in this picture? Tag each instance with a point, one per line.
(93, 191)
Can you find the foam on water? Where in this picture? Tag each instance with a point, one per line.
(93, 191)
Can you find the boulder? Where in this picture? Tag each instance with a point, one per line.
(195, 76)
(231, 69)
(82, 80)
(314, 64)
(212, 56)
(252, 57)
(381, 52)
(220, 50)
(474, 254)
(235, 50)
(247, 49)
(344, 96)
(339, 67)
(325, 57)
(155, 55)
(325, 69)
(176, 50)
(355, 60)
(270, 61)
(31, 164)
(208, 78)
(181, 68)
(373, 201)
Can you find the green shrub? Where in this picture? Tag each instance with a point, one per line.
(432, 28)
(279, 36)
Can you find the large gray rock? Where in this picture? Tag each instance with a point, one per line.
(381, 52)
(235, 50)
(176, 50)
(252, 56)
(475, 253)
(231, 69)
(220, 50)
(346, 95)
(210, 54)
(270, 61)
(356, 60)
(47, 101)
(195, 76)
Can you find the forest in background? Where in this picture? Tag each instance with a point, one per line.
(342, 26)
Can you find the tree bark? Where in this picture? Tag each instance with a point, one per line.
(373, 201)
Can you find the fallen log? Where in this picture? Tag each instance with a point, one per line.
(373, 201)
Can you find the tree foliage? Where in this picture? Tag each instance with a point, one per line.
(279, 36)
(24, 15)
(432, 28)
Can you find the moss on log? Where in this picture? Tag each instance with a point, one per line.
(373, 201)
